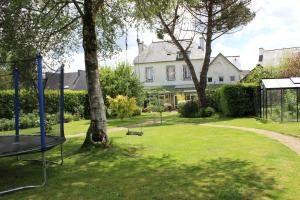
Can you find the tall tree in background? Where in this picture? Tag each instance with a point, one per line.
(184, 19)
(291, 66)
(212, 19)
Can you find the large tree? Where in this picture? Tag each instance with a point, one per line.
(47, 26)
(182, 20)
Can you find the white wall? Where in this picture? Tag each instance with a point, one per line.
(220, 67)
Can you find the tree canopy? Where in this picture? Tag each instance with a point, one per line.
(121, 81)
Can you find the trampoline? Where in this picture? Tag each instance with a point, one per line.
(38, 142)
(25, 144)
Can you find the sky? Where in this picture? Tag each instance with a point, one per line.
(276, 25)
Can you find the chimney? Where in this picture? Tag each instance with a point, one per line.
(261, 55)
(141, 46)
(201, 43)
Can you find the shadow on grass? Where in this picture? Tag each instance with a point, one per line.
(124, 173)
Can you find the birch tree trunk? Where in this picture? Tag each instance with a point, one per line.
(97, 130)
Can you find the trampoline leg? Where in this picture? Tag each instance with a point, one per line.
(31, 186)
(61, 154)
(44, 169)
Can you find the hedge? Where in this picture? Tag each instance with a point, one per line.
(237, 100)
(76, 102)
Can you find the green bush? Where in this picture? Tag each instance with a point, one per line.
(168, 107)
(188, 109)
(146, 110)
(68, 117)
(31, 120)
(208, 112)
(76, 102)
(122, 106)
(237, 100)
(137, 111)
(211, 97)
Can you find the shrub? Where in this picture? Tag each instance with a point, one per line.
(208, 112)
(68, 117)
(146, 110)
(211, 97)
(122, 105)
(31, 120)
(76, 102)
(188, 109)
(168, 107)
(237, 100)
(137, 111)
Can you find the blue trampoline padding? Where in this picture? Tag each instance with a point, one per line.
(10, 146)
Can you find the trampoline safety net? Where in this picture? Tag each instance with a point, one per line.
(31, 107)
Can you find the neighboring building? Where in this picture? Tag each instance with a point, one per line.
(275, 57)
(161, 64)
(72, 80)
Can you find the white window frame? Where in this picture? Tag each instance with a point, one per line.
(147, 79)
(186, 71)
(170, 78)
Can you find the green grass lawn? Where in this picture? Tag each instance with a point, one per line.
(173, 161)
(168, 162)
(288, 128)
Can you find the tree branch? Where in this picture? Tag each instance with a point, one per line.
(78, 8)
(97, 6)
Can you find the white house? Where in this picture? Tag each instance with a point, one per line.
(275, 57)
(161, 64)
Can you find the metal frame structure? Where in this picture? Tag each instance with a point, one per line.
(44, 161)
(268, 86)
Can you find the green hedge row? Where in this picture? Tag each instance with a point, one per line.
(238, 100)
(76, 102)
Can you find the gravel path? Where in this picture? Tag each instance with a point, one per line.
(291, 142)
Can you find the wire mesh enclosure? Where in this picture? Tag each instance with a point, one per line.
(25, 104)
(280, 99)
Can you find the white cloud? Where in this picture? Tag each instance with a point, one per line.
(276, 25)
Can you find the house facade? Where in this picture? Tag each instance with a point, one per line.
(160, 64)
(275, 57)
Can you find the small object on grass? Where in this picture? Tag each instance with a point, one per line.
(139, 133)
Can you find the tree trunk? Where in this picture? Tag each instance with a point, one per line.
(186, 58)
(206, 63)
(97, 131)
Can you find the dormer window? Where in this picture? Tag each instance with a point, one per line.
(180, 55)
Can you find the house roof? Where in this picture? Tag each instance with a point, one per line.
(234, 60)
(72, 80)
(163, 51)
(275, 57)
